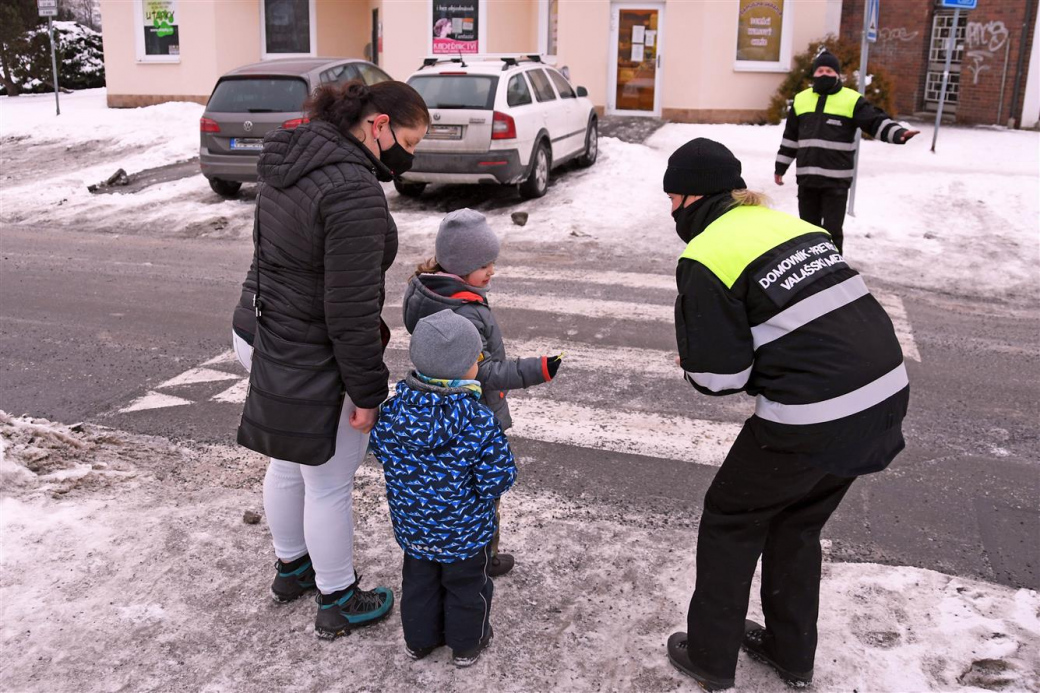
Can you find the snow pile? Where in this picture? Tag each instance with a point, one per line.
(40, 455)
(161, 585)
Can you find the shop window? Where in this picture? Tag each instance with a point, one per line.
(548, 26)
(764, 36)
(157, 29)
(287, 28)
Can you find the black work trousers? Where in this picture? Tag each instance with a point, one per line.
(769, 504)
(446, 603)
(824, 207)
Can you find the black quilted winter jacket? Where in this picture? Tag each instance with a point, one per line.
(326, 242)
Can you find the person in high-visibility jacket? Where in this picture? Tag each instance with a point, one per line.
(769, 307)
(821, 135)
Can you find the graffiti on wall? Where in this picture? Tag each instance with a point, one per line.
(983, 40)
(899, 33)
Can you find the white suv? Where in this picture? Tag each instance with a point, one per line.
(505, 120)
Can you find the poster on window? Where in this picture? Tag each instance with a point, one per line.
(161, 35)
(759, 30)
(455, 26)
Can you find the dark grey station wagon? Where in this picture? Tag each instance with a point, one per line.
(252, 100)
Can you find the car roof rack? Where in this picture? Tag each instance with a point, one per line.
(430, 62)
(513, 62)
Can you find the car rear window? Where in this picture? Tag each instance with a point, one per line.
(475, 92)
(258, 95)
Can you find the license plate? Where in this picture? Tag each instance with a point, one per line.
(444, 132)
(250, 143)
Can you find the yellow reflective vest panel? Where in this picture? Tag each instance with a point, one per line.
(767, 305)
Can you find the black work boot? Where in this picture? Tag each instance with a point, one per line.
(292, 580)
(756, 644)
(501, 563)
(341, 612)
(468, 658)
(680, 659)
(418, 653)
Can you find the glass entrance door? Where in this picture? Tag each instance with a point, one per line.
(636, 37)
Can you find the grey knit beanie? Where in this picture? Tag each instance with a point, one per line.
(465, 242)
(444, 345)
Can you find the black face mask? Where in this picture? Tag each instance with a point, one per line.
(824, 84)
(396, 158)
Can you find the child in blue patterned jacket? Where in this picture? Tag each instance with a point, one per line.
(446, 462)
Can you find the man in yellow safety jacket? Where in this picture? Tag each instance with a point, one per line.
(768, 306)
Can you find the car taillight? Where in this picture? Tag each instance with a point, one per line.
(208, 125)
(295, 123)
(503, 127)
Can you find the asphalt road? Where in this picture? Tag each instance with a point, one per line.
(91, 324)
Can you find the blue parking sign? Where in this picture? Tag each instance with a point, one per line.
(958, 4)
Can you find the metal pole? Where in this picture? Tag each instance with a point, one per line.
(54, 65)
(1003, 80)
(864, 46)
(950, 45)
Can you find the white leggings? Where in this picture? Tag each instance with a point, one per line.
(311, 509)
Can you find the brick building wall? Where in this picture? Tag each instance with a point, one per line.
(995, 30)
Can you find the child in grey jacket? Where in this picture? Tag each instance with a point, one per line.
(457, 279)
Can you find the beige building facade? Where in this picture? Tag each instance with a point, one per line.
(683, 60)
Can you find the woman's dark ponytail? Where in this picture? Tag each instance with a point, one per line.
(346, 105)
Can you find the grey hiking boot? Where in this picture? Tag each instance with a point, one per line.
(341, 612)
(680, 659)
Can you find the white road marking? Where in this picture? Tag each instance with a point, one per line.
(893, 304)
(638, 433)
(631, 280)
(582, 307)
(154, 400)
(601, 359)
(664, 436)
(227, 357)
(236, 394)
(199, 375)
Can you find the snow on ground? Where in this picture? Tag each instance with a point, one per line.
(965, 220)
(148, 579)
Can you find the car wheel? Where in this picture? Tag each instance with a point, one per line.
(225, 188)
(409, 189)
(591, 146)
(538, 182)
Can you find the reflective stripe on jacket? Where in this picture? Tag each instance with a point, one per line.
(768, 305)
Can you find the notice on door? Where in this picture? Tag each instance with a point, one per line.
(455, 27)
(759, 30)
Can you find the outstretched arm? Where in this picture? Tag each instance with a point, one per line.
(876, 123)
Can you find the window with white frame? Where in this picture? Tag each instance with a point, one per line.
(157, 29)
(287, 28)
(764, 36)
(548, 26)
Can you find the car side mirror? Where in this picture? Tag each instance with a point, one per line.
(582, 91)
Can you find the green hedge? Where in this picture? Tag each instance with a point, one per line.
(81, 61)
(879, 91)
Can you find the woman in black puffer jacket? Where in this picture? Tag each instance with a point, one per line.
(308, 325)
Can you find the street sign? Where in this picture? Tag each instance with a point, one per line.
(47, 8)
(958, 4)
(873, 11)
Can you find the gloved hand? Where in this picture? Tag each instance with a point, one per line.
(552, 364)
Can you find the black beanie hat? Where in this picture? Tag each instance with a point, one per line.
(826, 59)
(702, 167)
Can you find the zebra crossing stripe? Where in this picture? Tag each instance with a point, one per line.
(638, 433)
(199, 375)
(602, 359)
(154, 400)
